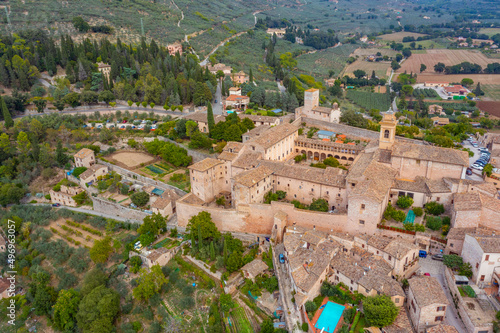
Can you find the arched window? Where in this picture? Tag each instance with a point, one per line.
(386, 134)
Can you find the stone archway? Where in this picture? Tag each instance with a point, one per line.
(337, 156)
(350, 159)
(316, 156)
(343, 158)
(303, 152)
(309, 155)
(330, 155)
(322, 156)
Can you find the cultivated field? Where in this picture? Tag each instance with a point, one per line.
(483, 78)
(132, 159)
(75, 234)
(492, 107)
(382, 69)
(398, 36)
(490, 31)
(320, 62)
(447, 57)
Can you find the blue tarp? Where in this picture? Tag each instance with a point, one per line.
(410, 217)
(157, 191)
(276, 111)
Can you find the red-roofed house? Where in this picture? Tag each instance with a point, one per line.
(456, 90)
(237, 101)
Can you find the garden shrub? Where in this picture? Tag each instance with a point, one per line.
(419, 227)
(434, 208)
(418, 211)
(404, 202)
(305, 327)
(434, 223)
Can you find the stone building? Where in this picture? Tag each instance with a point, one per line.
(475, 209)
(175, 48)
(105, 69)
(253, 269)
(426, 302)
(65, 196)
(3, 244)
(84, 158)
(261, 120)
(280, 32)
(311, 108)
(220, 67)
(4, 288)
(201, 119)
(165, 204)
(236, 102)
(91, 175)
(483, 253)
(239, 78)
(205, 176)
(160, 256)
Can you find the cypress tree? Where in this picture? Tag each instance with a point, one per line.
(212, 251)
(200, 240)
(6, 114)
(225, 250)
(250, 76)
(210, 117)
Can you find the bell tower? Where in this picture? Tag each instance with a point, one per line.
(311, 99)
(387, 131)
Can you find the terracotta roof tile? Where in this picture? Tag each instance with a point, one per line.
(427, 291)
(274, 135)
(253, 176)
(430, 153)
(83, 153)
(466, 201)
(205, 164)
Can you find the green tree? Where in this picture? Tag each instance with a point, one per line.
(65, 310)
(149, 283)
(267, 326)
(453, 261)
(467, 82)
(226, 302)
(6, 114)
(80, 24)
(320, 205)
(97, 310)
(423, 67)
(140, 198)
(40, 104)
(250, 76)
(212, 251)
(153, 224)
(234, 262)
(135, 264)
(488, 170)
(208, 228)
(101, 250)
(106, 96)
(379, 310)
(23, 143)
(93, 279)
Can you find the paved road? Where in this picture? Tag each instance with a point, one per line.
(217, 106)
(292, 316)
(83, 110)
(436, 269)
(92, 212)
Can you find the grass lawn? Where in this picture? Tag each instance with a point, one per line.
(241, 321)
(182, 184)
(491, 91)
(360, 325)
(438, 43)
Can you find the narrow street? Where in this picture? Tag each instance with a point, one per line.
(292, 316)
(217, 105)
(436, 269)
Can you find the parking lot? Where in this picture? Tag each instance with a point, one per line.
(476, 174)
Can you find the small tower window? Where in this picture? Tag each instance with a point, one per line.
(386, 134)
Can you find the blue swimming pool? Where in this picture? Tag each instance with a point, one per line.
(330, 317)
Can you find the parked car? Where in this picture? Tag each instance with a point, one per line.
(422, 254)
(427, 274)
(469, 171)
(56, 205)
(124, 122)
(438, 256)
(482, 149)
(477, 167)
(282, 258)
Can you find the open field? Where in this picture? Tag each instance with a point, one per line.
(490, 31)
(438, 43)
(447, 57)
(132, 159)
(483, 78)
(491, 91)
(398, 36)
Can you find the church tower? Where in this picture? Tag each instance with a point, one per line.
(387, 131)
(311, 99)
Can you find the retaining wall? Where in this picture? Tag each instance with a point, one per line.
(113, 208)
(258, 219)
